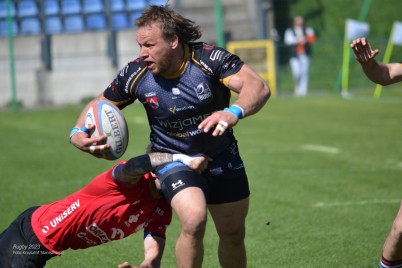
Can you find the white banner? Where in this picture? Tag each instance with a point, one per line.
(396, 38)
(356, 29)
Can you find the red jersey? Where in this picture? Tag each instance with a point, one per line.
(102, 211)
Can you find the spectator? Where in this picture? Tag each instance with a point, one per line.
(299, 39)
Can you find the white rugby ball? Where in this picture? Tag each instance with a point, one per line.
(109, 121)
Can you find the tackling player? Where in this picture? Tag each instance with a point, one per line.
(114, 205)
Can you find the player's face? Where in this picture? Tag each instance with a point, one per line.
(155, 50)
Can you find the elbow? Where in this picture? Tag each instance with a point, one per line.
(266, 92)
(382, 81)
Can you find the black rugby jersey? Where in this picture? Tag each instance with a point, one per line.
(175, 106)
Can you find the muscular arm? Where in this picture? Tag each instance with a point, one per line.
(253, 94)
(252, 89)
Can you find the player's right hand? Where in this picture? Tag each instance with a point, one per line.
(95, 146)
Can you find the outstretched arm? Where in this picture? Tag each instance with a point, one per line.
(378, 72)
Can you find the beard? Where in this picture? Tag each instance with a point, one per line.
(164, 65)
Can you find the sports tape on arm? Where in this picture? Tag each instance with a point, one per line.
(185, 159)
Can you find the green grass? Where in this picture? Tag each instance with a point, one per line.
(325, 176)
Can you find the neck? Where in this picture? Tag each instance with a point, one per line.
(178, 62)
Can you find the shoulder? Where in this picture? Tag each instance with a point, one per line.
(213, 59)
(204, 51)
(132, 68)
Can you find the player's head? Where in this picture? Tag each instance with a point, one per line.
(160, 34)
(171, 23)
(298, 21)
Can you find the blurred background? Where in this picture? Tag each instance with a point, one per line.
(64, 52)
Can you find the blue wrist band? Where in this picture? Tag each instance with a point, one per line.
(77, 129)
(84, 129)
(74, 130)
(236, 110)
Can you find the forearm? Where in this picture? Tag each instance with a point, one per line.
(140, 165)
(153, 251)
(377, 72)
(252, 101)
(253, 91)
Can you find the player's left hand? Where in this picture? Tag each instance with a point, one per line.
(220, 120)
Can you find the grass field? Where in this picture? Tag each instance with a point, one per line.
(325, 175)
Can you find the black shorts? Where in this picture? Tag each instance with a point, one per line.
(19, 246)
(224, 181)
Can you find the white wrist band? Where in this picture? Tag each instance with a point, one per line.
(185, 159)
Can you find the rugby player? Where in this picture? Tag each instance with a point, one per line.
(114, 205)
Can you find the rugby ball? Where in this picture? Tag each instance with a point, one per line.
(109, 121)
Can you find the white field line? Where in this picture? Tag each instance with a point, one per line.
(355, 203)
(320, 148)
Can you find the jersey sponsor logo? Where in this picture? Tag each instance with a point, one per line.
(45, 229)
(57, 220)
(130, 78)
(153, 101)
(177, 184)
(83, 236)
(174, 109)
(204, 94)
(117, 232)
(216, 55)
(176, 91)
(96, 231)
(124, 70)
(133, 218)
(185, 134)
(159, 211)
(185, 123)
(205, 66)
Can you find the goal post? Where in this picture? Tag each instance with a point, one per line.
(260, 55)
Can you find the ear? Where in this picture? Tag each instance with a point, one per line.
(175, 42)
